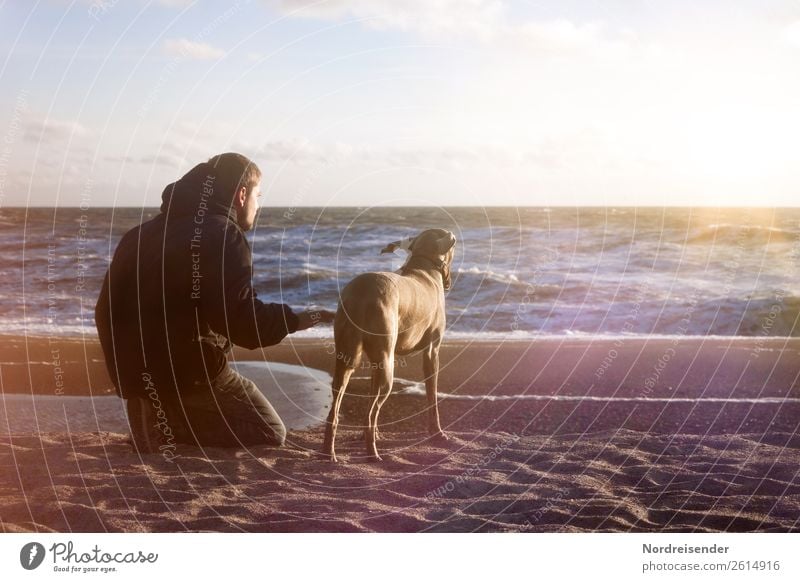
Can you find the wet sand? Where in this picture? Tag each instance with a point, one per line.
(549, 435)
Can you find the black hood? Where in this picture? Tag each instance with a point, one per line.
(199, 188)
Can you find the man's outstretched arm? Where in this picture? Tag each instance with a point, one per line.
(231, 305)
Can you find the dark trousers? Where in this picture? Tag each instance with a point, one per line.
(229, 411)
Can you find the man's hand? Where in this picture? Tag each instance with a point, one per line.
(313, 317)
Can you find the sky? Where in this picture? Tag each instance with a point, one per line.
(404, 102)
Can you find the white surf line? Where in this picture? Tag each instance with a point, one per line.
(417, 390)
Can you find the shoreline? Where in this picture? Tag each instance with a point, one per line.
(690, 386)
(75, 365)
(599, 446)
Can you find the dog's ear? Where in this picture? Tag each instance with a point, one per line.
(391, 247)
(445, 243)
(447, 281)
(404, 244)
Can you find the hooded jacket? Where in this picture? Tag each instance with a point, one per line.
(179, 292)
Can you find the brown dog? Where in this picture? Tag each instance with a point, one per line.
(383, 314)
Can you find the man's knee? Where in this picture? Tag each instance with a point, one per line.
(278, 436)
(249, 417)
(270, 431)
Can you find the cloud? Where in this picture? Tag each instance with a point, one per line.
(187, 49)
(291, 151)
(163, 160)
(120, 159)
(190, 131)
(561, 36)
(48, 130)
(176, 3)
(548, 154)
(790, 35)
(432, 18)
(485, 21)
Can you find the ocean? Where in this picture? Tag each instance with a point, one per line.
(518, 273)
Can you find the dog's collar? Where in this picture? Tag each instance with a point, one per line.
(438, 264)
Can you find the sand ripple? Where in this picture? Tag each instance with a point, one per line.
(477, 481)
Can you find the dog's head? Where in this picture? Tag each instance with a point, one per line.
(435, 244)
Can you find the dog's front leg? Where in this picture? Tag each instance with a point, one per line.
(430, 367)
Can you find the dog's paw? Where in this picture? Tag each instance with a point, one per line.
(329, 457)
(439, 437)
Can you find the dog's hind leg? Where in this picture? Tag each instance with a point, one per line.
(430, 367)
(382, 379)
(341, 377)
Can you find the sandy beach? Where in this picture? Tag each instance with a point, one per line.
(699, 434)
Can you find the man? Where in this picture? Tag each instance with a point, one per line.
(178, 293)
